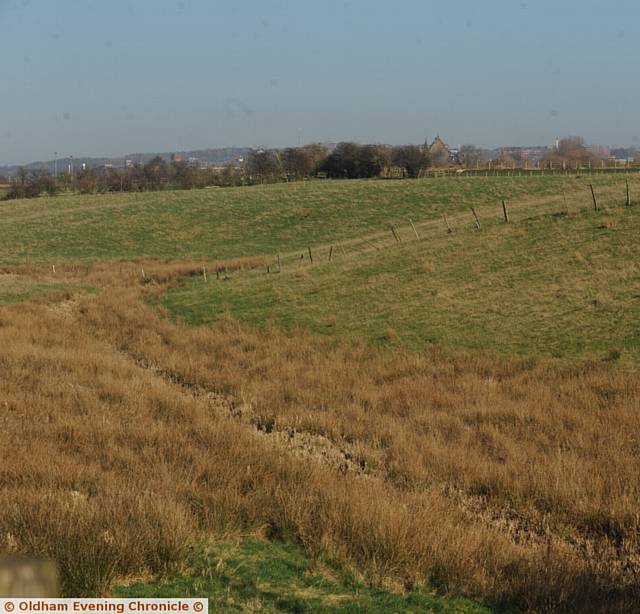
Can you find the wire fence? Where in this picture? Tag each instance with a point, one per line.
(474, 217)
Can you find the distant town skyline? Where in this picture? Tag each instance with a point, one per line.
(531, 151)
(97, 79)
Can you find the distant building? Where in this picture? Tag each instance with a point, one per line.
(440, 153)
(176, 157)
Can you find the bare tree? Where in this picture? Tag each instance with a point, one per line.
(298, 162)
(264, 165)
(469, 155)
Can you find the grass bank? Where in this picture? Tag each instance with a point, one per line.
(251, 221)
(560, 285)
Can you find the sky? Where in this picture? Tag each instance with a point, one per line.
(106, 78)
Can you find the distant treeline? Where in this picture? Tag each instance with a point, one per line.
(156, 174)
(345, 161)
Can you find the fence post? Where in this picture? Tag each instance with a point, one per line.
(475, 215)
(628, 195)
(310, 256)
(330, 253)
(593, 195)
(414, 229)
(505, 212)
(395, 234)
(446, 221)
(279, 265)
(204, 273)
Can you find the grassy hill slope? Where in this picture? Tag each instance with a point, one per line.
(227, 223)
(564, 285)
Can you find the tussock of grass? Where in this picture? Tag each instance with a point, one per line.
(515, 482)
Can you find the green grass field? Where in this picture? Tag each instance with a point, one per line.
(228, 223)
(567, 286)
(560, 279)
(260, 576)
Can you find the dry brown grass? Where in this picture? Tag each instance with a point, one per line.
(126, 437)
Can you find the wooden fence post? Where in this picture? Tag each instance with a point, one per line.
(414, 229)
(204, 273)
(279, 265)
(505, 212)
(310, 256)
(446, 221)
(628, 195)
(593, 195)
(395, 234)
(475, 216)
(330, 253)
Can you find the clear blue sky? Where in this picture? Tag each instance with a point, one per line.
(112, 77)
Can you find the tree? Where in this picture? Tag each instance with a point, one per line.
(264, 165)
(343, 161)
(469, 155)
(156, 173)
(112, 180)
(504, 160)
(30, 184)
(86, 180)
(372, 159)
(351, 161)
(22, 175)
(183, 176)
(298, 162)
(571, 150)
(318, 154)
(410, 157)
